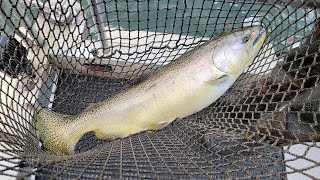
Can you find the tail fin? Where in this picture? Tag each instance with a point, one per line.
(53, 129)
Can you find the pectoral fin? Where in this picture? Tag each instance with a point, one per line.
(217, 79)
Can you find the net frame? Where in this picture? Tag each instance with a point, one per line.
(239, 136)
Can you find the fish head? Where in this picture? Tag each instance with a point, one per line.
(237, 50)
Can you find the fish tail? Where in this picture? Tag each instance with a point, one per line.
(53, 130)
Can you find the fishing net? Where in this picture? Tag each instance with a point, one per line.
(65, 54)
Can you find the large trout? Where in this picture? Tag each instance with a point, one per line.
(185, 86)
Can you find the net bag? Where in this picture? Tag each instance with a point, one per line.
(65, 54)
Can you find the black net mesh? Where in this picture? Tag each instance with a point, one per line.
(65, 54)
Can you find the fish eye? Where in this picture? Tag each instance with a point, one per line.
(245, 39)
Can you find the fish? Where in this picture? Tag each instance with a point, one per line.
(183, 87)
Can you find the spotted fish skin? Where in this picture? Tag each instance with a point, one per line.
(185, 86)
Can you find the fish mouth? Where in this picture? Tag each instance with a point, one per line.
(260, 37)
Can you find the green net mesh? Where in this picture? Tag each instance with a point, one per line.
(66, 54)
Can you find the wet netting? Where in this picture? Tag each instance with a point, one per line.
(66, 54)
